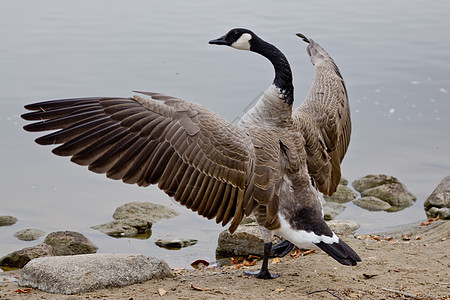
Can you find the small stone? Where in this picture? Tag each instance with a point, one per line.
(7, 220)
(82, 273)
(244, 241)
(128, 227)
(147, 211)
(29, 234)
(21, 257)
(372, 203)
(343, 194)
(343, 227)
(443, 212)
(69, 243)
(175, 243)
(343, 181)
(331, 210)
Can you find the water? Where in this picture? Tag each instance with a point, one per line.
(393, 55)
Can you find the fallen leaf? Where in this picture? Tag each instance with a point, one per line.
(368, 276)
(24, 291)
(405, 237)
(376, 237)
(297, 253)
(251, 256)
(279, 290)
(197, 288)
(247, 263)
(389, 238)
(200, 264)
(234, 260)
(276, 260)
(308, 252)
(162, 292)
(418, 238)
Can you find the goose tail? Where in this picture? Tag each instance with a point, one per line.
(341, 252)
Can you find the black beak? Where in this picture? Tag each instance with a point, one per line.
(219, 41)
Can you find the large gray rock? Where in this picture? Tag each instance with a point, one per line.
(81, 273)
(29, 234)
(147, 211)
(386, 188)
(21, 257)
(244, 241)
(7, 220)
(371, 181)
(343, 194)
(439, 199)
(69, 243)
(331, 210)
(124, 227)
(372, 203)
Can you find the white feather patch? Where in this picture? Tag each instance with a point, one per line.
(302, 238)
(243, 43)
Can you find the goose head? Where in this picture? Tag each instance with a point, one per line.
(238, 38)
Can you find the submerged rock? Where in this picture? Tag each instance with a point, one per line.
(82, 273)
(331, 210)
(438, 203)
(386, 188)
(69, 243)
(147, 211)
(21, 257)
(29, 234)
(175, 243)
(244, 241)
(124, 227)
(343, 194)
(372, 203)
(7, 220)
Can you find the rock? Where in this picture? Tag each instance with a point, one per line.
(175, 243)
(343, 194)
(21, 257)
(147, 211)
(82, 273)
(331, 210)
(371, 181)
(372, 203)
(244, 241)
(7, 220)
(343, 181)
(29, 234)
(124, 227)
(69, 243)
(343, 227)
(386, 188)
(440, 197)
(443, 212)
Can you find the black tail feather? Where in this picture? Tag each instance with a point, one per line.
(341, 252)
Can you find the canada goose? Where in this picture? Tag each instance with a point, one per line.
(271, 164)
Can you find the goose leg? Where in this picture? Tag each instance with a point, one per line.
(282, 249)
(264, 273)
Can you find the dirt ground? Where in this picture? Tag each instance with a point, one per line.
(392, 268)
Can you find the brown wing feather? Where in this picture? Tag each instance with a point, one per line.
(194, 155)
(324, 120)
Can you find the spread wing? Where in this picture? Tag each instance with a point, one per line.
(193, 154)
(324, 120)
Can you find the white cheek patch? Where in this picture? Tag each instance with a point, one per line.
(243, 43)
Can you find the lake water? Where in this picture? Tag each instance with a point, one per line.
(394, 56)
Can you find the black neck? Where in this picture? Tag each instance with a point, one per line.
(283, 73)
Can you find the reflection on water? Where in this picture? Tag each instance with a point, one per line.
(394, 58)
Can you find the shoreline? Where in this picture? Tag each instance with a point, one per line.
(392, 267)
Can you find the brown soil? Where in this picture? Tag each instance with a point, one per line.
(391, 269)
